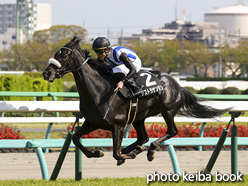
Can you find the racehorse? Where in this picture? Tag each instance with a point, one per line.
(96, 90)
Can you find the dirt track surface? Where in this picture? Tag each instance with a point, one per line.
(26, 165)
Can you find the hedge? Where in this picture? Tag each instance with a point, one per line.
(209, 90)
(67, 77)
(213, 90)
(231, 90)
(27, 83)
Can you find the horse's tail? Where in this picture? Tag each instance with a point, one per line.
(192, 107)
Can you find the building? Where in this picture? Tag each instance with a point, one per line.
(31, 17)
(222, 26)
(232, 18)
(207, 33)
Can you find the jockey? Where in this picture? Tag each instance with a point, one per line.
(123, 62)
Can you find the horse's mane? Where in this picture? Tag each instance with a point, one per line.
(94, 63)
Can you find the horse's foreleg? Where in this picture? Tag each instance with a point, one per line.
(86, 128)
(117, 134)
(142, 137)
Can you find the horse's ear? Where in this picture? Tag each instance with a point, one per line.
(76, 39)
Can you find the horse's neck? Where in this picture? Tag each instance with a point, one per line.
(90, 84)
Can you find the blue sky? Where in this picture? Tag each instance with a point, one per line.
(130, 16)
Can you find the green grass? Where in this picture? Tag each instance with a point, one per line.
(113, 181)
(41, 135)
(39, 125)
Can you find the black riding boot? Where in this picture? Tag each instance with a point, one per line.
(136, 90)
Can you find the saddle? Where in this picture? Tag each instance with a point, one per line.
(147, 81)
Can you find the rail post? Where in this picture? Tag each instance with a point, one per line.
(78, 161)
(234, 146)
(78, 152)
(174, 160)
(216, 152)
(64, 150)
(48, 133)
(62, 155)
(234, 149)
(234, 143)
(201, 134)
(42, 162)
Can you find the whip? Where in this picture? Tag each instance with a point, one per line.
(106, 112)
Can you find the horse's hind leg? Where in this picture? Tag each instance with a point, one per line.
(172, 131)
(86, 128)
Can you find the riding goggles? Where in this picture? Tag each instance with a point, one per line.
(99, 52)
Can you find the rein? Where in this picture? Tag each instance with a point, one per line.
(63, 69)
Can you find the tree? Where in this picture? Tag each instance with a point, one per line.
(59, 32)
(228, 58)
(199, 56)
(242, 58)
(35, 54)
(28, 57)
(208, 59)
(146, 51)
(168, 56)
(161, 56)
(235, 59)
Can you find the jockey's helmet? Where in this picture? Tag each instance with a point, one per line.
(100, 44)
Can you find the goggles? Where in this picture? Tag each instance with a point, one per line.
(99, 52)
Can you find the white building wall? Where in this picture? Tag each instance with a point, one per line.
(236, 24)
(43, 16)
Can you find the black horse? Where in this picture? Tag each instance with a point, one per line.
(96, 90)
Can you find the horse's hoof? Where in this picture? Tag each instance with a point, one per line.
(150, 156)
(133, 155)
(98, 153)
(141, 148)
(120, 162)
(101, 153)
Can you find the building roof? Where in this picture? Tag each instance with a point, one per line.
(235, 9)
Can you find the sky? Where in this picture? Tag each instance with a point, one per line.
(111, 18)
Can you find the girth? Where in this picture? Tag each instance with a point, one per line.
(132, 110)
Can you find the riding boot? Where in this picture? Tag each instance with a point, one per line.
(136, 90)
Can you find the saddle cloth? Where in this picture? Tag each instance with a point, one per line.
(147, 81)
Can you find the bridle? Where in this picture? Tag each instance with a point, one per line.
(62, 70)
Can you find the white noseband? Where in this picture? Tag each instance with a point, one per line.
(55, 62)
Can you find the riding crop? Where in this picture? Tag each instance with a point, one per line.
(110, 103)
